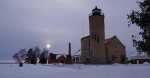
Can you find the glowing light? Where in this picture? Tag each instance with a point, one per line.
(48, 46)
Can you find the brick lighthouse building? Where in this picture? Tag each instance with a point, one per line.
(92, 46)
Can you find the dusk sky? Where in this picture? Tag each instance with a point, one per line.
(29, 23)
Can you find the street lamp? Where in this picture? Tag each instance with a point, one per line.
(48, 46)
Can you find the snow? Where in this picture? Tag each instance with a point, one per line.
(7, 61)
(75, 71)
(146, 63)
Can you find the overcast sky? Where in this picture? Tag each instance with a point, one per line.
(28, 23)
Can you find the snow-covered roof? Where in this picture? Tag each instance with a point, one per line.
(138, 57)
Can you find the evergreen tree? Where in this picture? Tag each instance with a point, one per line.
(29, 56)
(32, 55)
(43, 57)
(141, 18)
(37, 51)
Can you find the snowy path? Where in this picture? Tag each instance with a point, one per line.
(74, 71)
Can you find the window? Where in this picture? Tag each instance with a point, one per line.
(95, 37)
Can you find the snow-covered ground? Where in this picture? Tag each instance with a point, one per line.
(74, 71)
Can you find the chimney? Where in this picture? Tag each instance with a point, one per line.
(69, 49)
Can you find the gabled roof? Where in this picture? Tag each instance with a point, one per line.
(85, 37)
(110, 40)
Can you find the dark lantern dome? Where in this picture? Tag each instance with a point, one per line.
(96, 11)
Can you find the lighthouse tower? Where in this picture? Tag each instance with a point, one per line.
(92, 46)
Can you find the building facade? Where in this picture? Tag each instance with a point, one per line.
(115, 50)
(93, 47)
